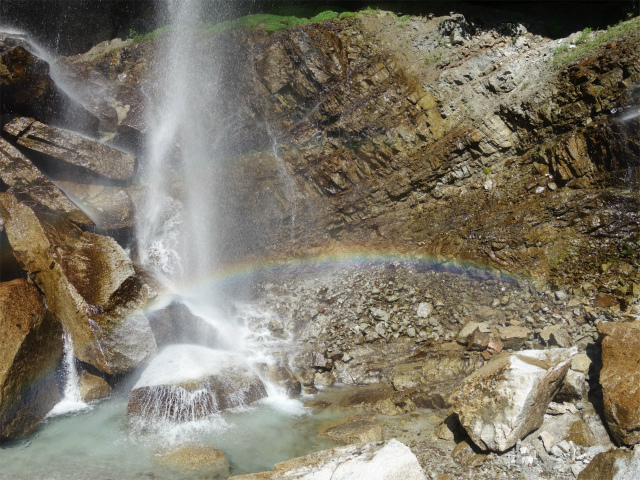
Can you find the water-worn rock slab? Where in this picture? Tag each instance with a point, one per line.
(72, 149)
(196, 460)
(30, 350)
(390, 460)
(355, 429)
(89, 284)
(620, 379)
(189, 381)
(27, 182)
(507, 398)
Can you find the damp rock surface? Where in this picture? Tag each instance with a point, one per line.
(30, 350)
(187, 382)
(89, 283)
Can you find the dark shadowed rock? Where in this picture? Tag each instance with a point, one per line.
(29, 184)
(72, 149)
(176, 324)
(30, 350)
(89, 283)
(26, 87)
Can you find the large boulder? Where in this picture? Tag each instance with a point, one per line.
(70, 150)
(185, 382)
(620, 377)
(29, 184)
(507, 398)
(390, 460)
(30, 350)
(89, 284)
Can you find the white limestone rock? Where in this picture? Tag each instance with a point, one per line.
(390, 460)
(507, 398)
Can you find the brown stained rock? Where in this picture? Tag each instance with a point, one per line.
(613, 465)
(89, 283)
(436, 367)
(196, 460)
(507, 398)
(355, 429)
(30, 350)
(620, 380)
(74, 150)
(93, 387)
(29, 184)
(604, 300)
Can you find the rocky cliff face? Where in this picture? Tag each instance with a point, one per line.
(430, 136)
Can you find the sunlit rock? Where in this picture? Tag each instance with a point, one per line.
(72, 150)
(28, 183)
(613, 465)
(30, 350)
(89, 284)
(620, 379)
(186, 382)
(373, 461)
(507, 398)
(196, 460)
(355, 429)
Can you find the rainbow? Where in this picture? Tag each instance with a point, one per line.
(241, 272)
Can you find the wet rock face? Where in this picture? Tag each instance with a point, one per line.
(27, 88)
(29, 184)
(620, 377)
(186, 382)
(30, 350)
(72, 150)
(89, 283)
(507, 398)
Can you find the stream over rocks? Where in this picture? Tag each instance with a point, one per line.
(356, 245)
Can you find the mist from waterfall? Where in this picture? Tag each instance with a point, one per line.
(177, 226)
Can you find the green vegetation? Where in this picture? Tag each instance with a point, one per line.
(434, 58)
(486, 170)
(588, 41)
(138, 37)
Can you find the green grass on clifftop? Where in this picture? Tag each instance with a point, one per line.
(589, 41)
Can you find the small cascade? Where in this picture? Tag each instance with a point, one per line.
(71, 398)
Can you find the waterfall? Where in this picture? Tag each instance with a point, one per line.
(71, 398)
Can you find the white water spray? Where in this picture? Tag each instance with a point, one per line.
(71, 400)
